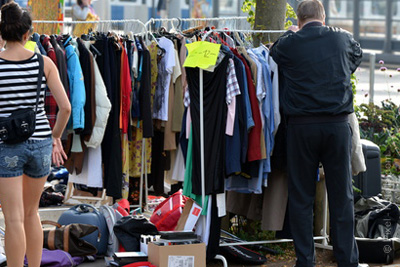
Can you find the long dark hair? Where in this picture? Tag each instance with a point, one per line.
(15, 22)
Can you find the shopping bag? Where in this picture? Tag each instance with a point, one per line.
(69, 238)
(166, 215)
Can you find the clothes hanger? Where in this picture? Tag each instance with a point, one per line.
(193, 29)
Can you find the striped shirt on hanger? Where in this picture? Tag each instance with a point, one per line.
(18, 86)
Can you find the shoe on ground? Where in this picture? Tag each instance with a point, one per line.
(363, 265)
(3, 260)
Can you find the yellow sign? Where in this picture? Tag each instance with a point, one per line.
(202, 54)
(30, 45)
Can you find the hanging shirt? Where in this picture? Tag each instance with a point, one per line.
(233, 90)
(254, 148)
(165, 69)
(50, 102)
(245, 92)
(260, 87)
(126, 88)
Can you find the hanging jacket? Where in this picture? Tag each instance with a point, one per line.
(77, 89)
(61, 62)
(103, 107)
(50, 102)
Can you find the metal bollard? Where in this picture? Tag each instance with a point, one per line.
(372, 59)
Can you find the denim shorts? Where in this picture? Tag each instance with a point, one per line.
(31, 157)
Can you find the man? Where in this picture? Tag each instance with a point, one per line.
(316, 62)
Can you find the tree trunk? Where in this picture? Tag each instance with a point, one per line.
(270, 15)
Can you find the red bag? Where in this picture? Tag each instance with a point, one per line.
(166, 215)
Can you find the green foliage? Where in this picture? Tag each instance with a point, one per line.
(381, 125)
(353, 81)
(249, 7)
(290, 13)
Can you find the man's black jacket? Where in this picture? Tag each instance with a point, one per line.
(316, 63)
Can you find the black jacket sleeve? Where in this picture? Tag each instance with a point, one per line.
(356, 54)
(277, 51)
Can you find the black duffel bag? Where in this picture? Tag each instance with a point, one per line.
(128, 230)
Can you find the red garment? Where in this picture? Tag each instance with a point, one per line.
(254, 147)
(140, 264)
(126, 89)
(49, 102)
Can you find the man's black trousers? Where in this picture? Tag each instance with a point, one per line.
(311, 140)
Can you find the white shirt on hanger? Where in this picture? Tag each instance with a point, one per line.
(165, 69)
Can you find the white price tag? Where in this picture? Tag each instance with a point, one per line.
(180, 261)
(221, 204)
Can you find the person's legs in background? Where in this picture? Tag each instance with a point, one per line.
(335, 158)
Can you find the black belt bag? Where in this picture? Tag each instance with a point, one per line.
(21, 124)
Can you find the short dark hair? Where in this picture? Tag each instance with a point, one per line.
(15, 22)
(80, 3)
(310, 9)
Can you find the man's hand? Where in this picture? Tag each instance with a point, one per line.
(293, 28)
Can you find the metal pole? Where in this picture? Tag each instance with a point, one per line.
(146, 186)
(387, 47)
(356, 20)
(141, 177)
(203, 180)
(153, 8)
(327, 11)
(215, 8)
(325, 218)
(372, 59)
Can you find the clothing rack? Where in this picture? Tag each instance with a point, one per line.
(324, 236)
(236, 21)
(108, 26)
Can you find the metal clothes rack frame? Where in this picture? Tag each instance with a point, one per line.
(104, 24)
(230, 22)
(324, 236)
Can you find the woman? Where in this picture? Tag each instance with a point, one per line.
(25, 166)
(84, 11)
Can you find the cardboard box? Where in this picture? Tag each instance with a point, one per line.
(190, 214)
(193, 255)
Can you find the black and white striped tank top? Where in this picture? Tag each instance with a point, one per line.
(18, 86)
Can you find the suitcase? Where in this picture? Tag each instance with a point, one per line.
(369, 182)
(376, 250)
(88, 214)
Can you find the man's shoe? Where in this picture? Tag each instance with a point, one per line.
(363, 265)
